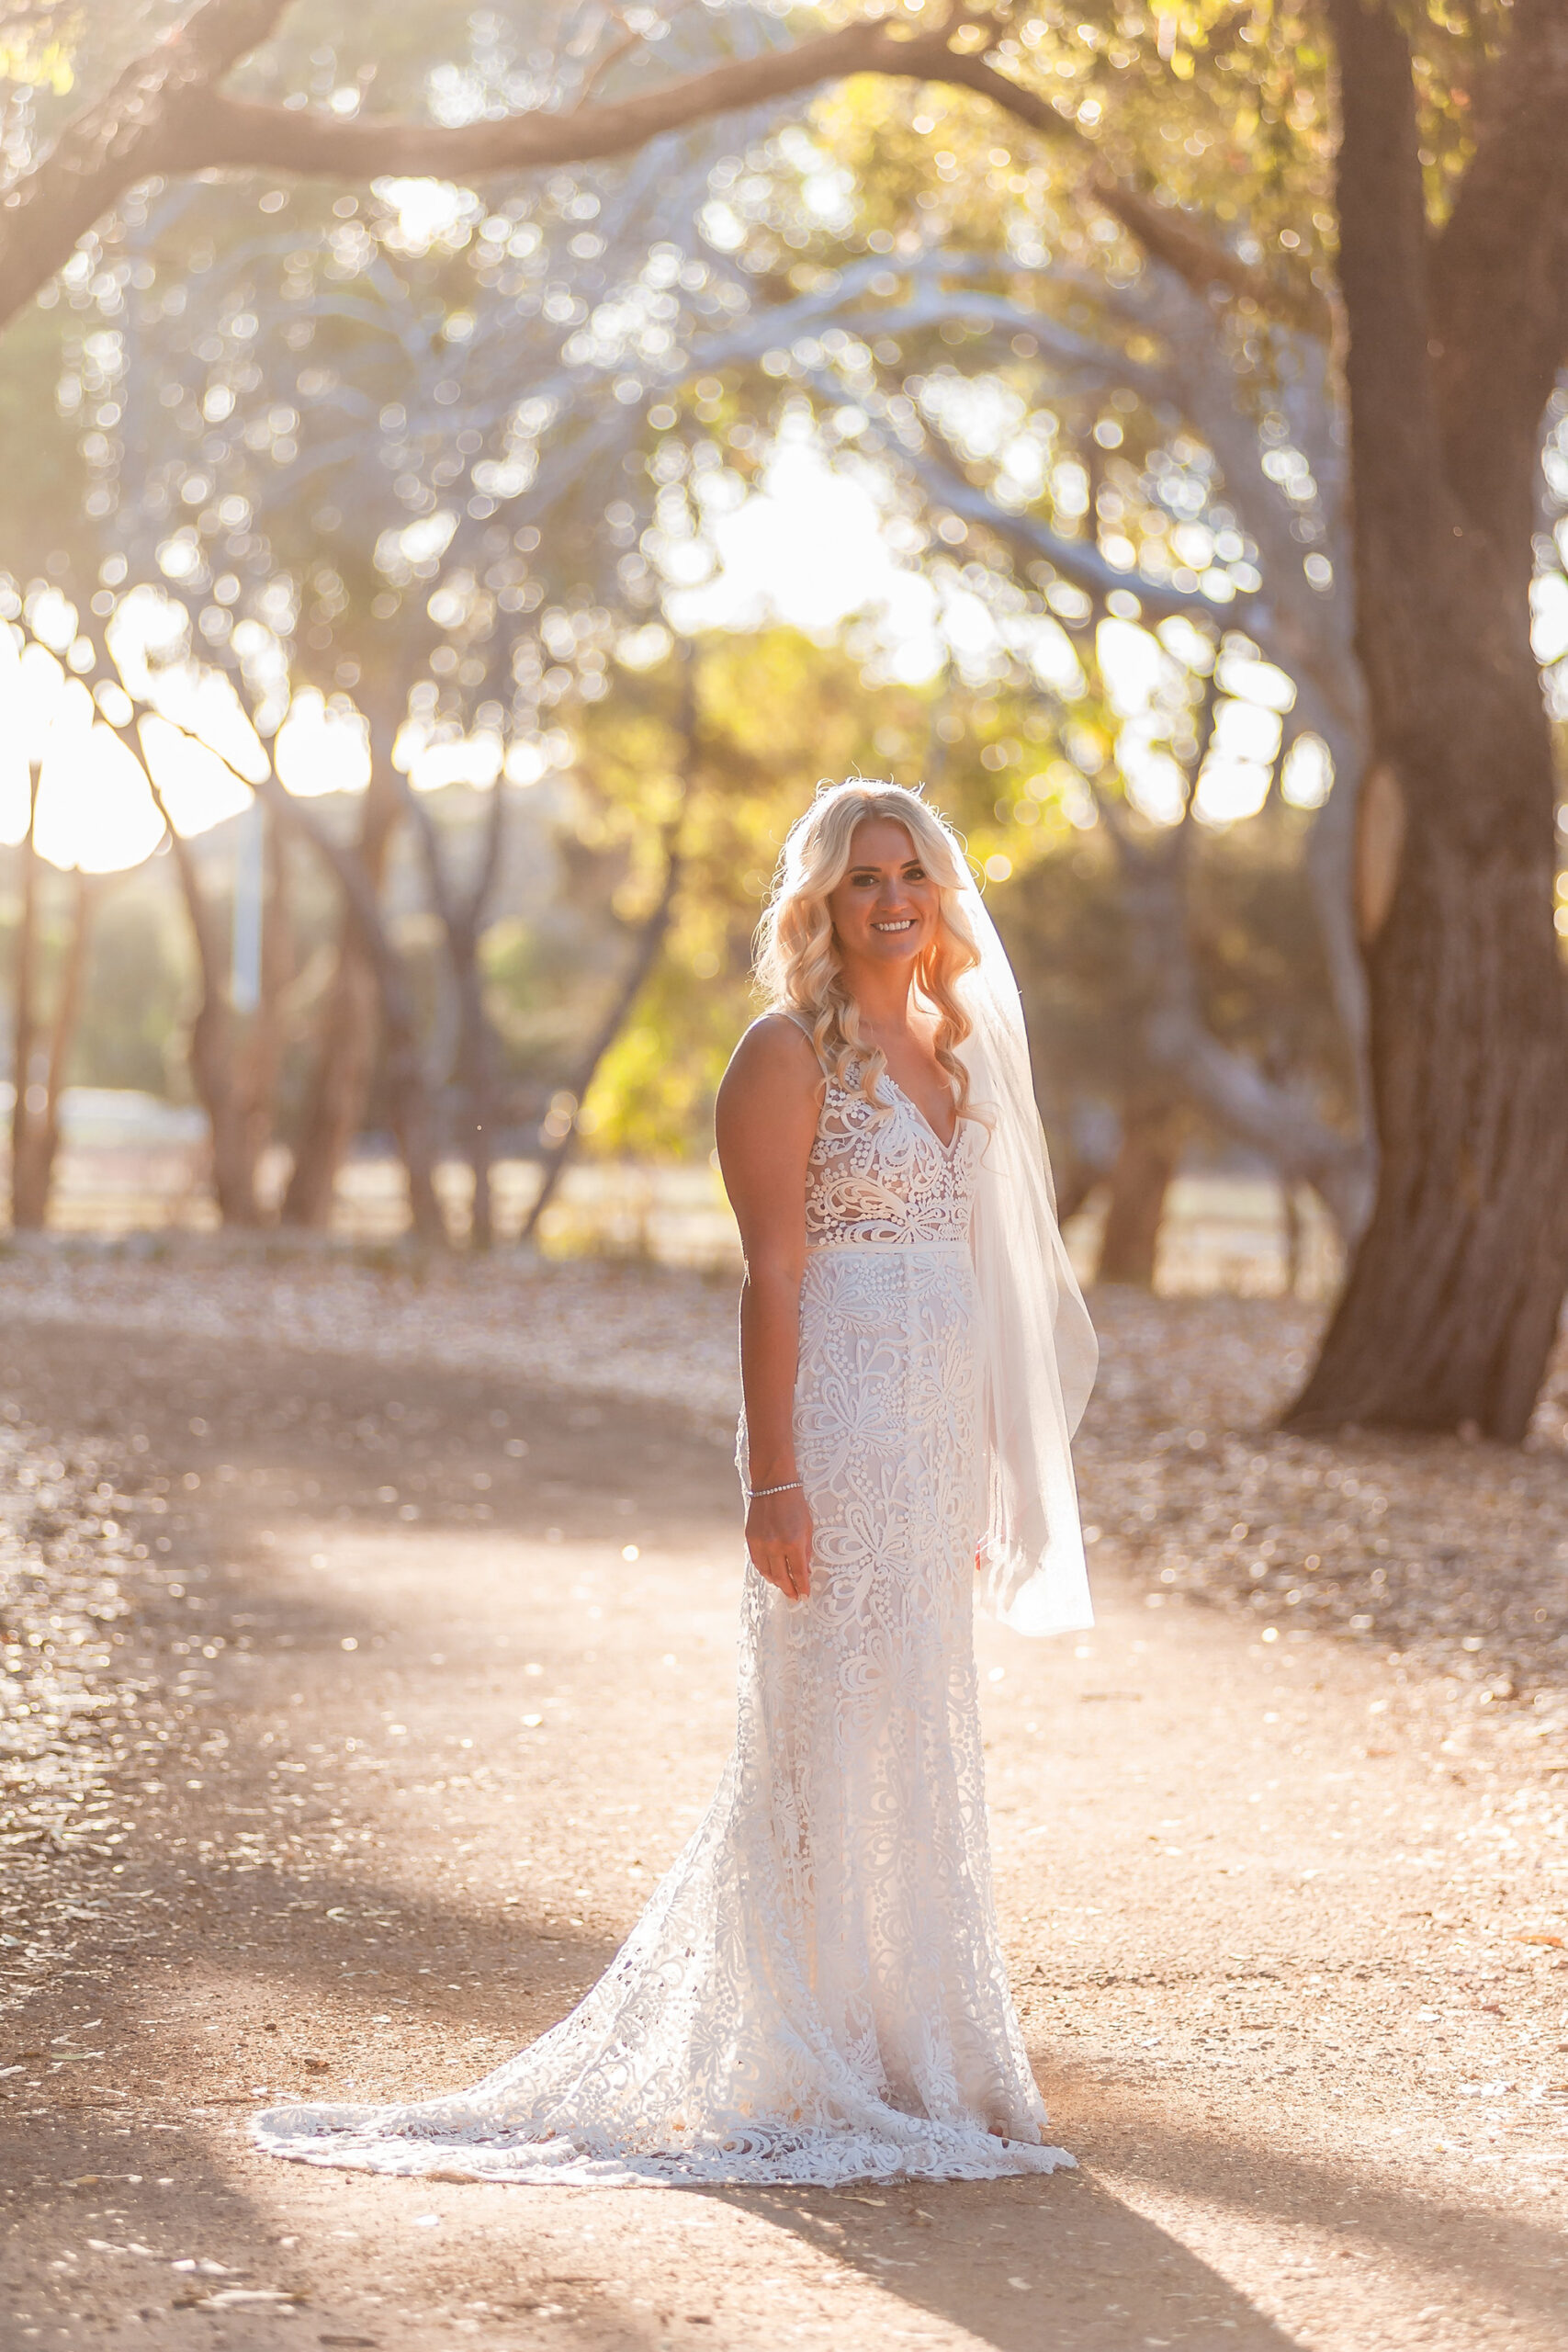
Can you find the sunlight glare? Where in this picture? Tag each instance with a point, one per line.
(1307, 776)
(1251, 680)
(527, 762)
(1155, 786)
(806, 550)
(1051, 654)
(1246, 730)
(427, 211)
(29, 689)
(15, 793)
(321, 747)
(52, 617)
(148, 630)
(96, 813)
(1230, 789)
(473, 760)
(1549, 617)
(30, 693)
(204, 704)
(199, 791)
(1132, 664)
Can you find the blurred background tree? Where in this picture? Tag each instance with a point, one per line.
(384, 476)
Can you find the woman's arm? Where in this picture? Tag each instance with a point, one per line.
(766, 1122)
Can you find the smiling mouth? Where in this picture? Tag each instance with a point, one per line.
(907, 923)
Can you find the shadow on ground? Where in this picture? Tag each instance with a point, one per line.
(141, 2165)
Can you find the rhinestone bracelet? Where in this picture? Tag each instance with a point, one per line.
(754, 1494)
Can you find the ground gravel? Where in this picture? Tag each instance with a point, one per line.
(1448, 1557)
(637, 1331)
(417, 1671)
(72, 1704)
(1453, 1555)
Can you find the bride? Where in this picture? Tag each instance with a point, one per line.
(817, 1993)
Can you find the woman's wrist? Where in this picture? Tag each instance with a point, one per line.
(762, 1470)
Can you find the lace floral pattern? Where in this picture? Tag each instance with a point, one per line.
(815, 1992)
(879, 1172)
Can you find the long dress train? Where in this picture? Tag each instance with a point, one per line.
(816, 1991)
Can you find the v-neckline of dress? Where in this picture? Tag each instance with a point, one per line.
(945, 1148)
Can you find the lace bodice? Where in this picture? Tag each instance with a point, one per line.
(884, 1175)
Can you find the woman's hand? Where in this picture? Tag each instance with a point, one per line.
(778, 1537)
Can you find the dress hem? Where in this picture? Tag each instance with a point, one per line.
(825, 2167)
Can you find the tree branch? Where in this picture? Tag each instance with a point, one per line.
(119, 139)
(1077, 560)
(1276, 1120)
(1166, 234)
(166, 114)
(228, 133)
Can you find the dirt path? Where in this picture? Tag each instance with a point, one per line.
(435, 1737)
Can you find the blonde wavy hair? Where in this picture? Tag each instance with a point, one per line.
(797, 962)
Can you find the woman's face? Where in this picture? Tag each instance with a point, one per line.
(887, 908)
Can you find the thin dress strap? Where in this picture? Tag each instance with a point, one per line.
(792, 1013)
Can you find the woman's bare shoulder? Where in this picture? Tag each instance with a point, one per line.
(774, 1056)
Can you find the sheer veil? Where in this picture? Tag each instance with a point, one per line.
(1040, 1351)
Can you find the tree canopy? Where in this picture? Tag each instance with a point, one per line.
(437, 389)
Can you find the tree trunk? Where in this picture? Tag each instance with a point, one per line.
(24, 1026)
(217, 1072)
(413, 1123)
(1153, 1127)
(32, 1165)
(478, 1090)
(1294, 1236)
(1074, 1180)
(211, 1055)
(340, 1086)
(478, 1057)
(645, 955)
(1452, 1299)
(260, 1057)
(462, 920)
(346, 1058)
(407, 1087)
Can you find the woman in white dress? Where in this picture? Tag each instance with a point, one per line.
(816, 1991)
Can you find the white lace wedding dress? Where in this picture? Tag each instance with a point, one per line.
(816, 1991)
